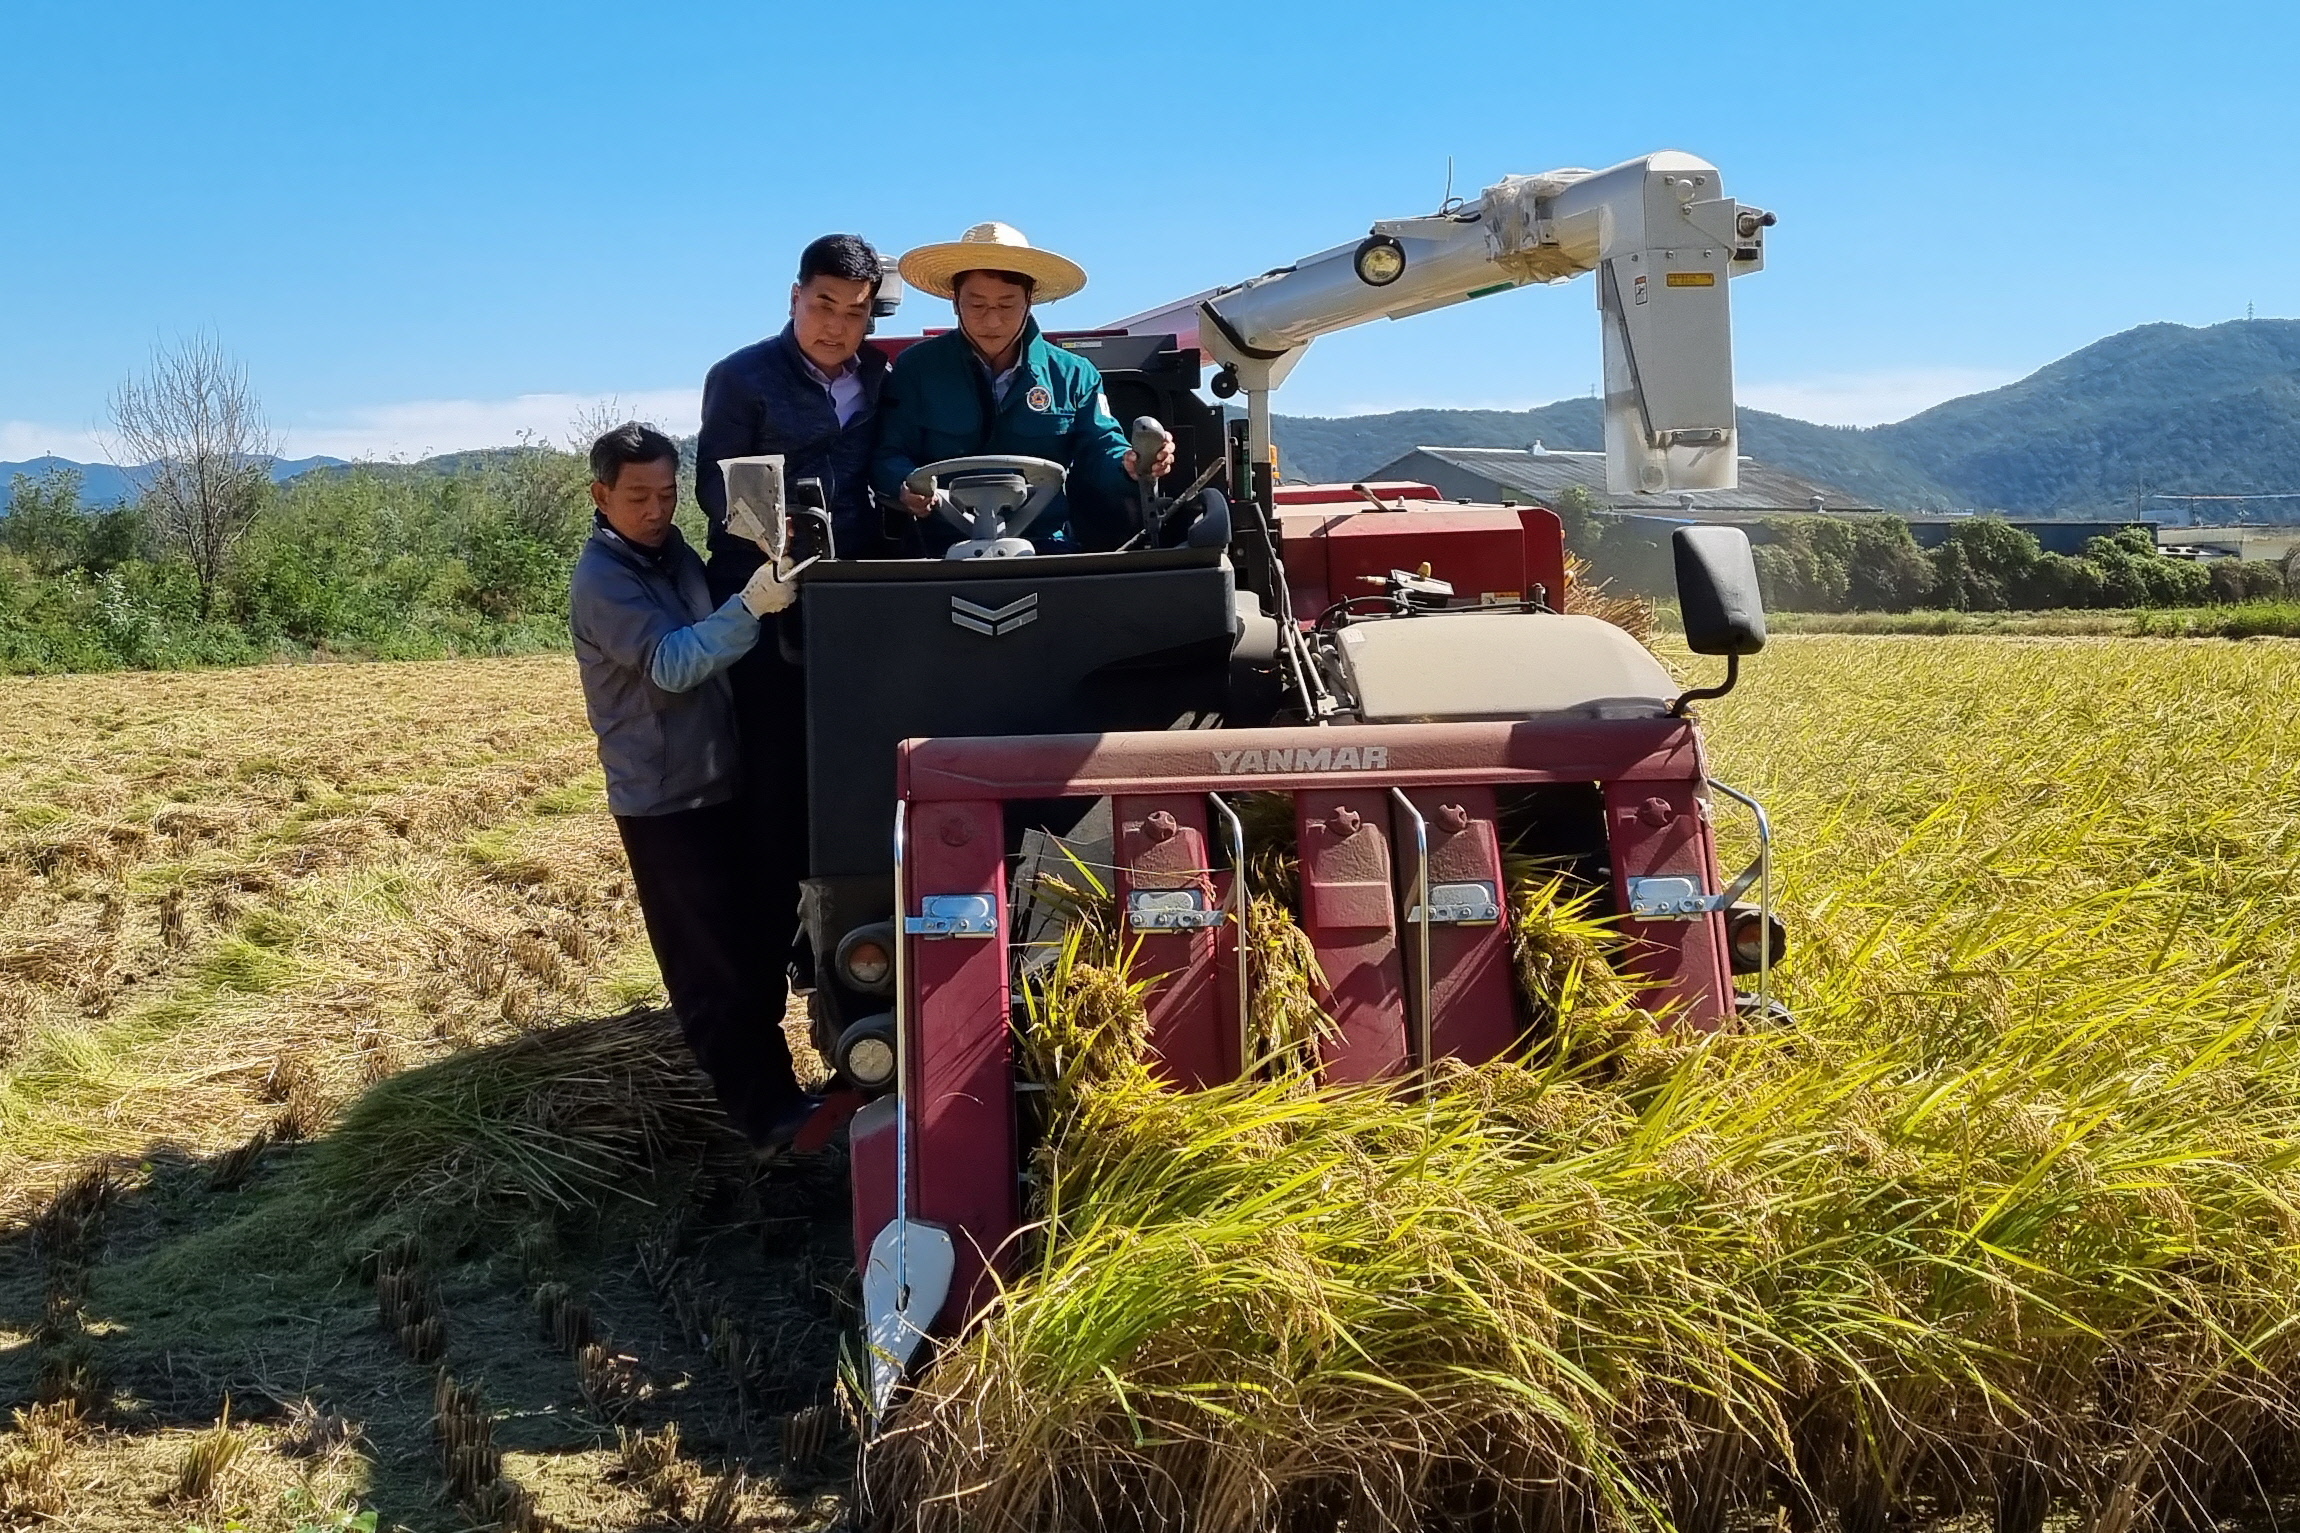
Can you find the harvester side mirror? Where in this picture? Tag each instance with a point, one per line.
(1717, 593)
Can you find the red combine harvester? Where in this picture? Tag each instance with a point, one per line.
(1402, 666)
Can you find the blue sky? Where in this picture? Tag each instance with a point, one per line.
(427, 226)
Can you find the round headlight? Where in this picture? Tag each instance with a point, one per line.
(865, 1053)
(1380, 261)
(868, 965)
(1756, 940)
(865, 958)
(871, 1062)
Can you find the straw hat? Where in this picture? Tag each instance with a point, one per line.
(992, 247)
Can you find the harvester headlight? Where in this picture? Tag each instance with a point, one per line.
(865, 1052)
(865, 958)
(1380, 260)
(1756, 940)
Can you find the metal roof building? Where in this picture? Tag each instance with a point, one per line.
(1540, 474)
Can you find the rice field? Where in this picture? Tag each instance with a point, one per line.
(2003, 1225)
(299, 961)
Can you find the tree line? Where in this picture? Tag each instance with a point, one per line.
(1871, 563)
(373, 561)
(212, 563)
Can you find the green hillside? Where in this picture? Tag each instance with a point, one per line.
(2178, 408)
(2174, 407)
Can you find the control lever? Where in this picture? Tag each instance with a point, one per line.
(811, 536)
(1148, 439)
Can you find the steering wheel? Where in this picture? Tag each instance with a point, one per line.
(996, 495)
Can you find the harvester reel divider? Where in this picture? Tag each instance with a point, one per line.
(902, 1297)
(1421, 922)
(1236, 831)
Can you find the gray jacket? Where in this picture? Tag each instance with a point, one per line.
(662, 751)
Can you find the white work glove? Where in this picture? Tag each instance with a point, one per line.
(770, 589)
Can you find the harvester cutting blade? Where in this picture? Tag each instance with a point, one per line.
(903, 1290)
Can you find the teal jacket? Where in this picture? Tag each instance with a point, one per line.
(937, 405)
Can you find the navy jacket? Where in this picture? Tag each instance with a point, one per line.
(763, 400)
(938, 406)
(662, 751)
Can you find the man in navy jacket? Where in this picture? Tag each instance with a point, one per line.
(811, 394)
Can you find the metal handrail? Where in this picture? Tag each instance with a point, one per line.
(1760, 873)
(901, 1067)
(1422, 925)
(1237, 830)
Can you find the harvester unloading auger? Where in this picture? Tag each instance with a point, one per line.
(1402, 666)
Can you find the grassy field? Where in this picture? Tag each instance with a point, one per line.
(292, 955)
(2246, 620)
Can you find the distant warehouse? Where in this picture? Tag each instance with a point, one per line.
(1538, 475)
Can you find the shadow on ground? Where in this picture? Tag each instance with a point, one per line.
(560, 1223)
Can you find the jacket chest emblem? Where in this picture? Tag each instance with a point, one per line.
(1038, 399)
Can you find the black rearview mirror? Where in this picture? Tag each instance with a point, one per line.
(1717, 591)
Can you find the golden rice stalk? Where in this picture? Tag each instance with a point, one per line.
(723, 1506)
(33, 1484)
(1629, 612)
(425, 1340)
(311, 1431)
(209, 1459)
(233, 1168)
(551, 1121)
(806, 1437)
(566, 1320)
(68, 1373)
(1584, 1016)
(652, 1463)
(611, 1381)
(1288, 1020)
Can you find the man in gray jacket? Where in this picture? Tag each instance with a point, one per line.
(654, 654)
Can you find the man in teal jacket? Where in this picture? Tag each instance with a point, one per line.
(995, 385)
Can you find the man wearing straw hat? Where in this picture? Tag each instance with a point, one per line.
(995, 385)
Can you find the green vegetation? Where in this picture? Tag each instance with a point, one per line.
(371, 561)
(1871, 564)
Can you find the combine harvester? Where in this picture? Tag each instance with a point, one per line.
(1402, 666)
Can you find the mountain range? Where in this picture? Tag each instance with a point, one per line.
(2161, 410)
(101, 484)
(2158, 410)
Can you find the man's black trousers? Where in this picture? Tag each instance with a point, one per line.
(721, 946)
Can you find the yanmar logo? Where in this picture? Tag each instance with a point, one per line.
(1306, 758)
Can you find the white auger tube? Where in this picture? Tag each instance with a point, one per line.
(1659, 232)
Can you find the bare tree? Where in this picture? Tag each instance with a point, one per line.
(192, 430)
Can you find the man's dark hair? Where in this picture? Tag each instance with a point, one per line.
(847, 257)
(1023, 280)
(631, 442)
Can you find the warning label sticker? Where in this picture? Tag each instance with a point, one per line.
(1692, 279)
